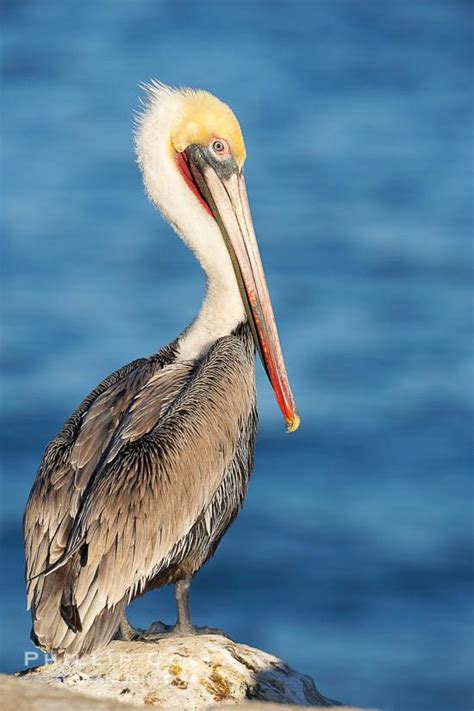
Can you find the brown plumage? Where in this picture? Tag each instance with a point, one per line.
(179, 500)
(145, 477)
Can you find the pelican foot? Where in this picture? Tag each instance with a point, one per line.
(158, 630)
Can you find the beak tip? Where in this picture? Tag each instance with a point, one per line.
(293, 424)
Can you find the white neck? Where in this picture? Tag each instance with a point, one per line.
(222, 309)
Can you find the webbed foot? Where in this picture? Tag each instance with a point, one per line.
(158, 630)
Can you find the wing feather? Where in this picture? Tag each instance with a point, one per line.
(55, 496)
(62, 479)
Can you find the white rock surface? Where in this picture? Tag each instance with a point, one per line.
(185, 673)
(18, 696)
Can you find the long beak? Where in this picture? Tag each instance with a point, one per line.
(226, 196)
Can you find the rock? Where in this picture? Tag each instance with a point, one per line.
(185, 673)
(17, 696)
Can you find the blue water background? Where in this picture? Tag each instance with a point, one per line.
(352, 558)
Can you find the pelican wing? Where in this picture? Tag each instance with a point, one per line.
(67, 467)
(156, 481)
(56, 494)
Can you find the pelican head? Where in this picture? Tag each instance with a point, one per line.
(191, 153)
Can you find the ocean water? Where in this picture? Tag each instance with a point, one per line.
(352, 558)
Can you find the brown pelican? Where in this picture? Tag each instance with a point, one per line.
(145, 477)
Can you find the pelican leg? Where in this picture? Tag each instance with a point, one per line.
(126, 632)
(183, 626)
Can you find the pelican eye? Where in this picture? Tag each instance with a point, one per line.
(218, 147)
